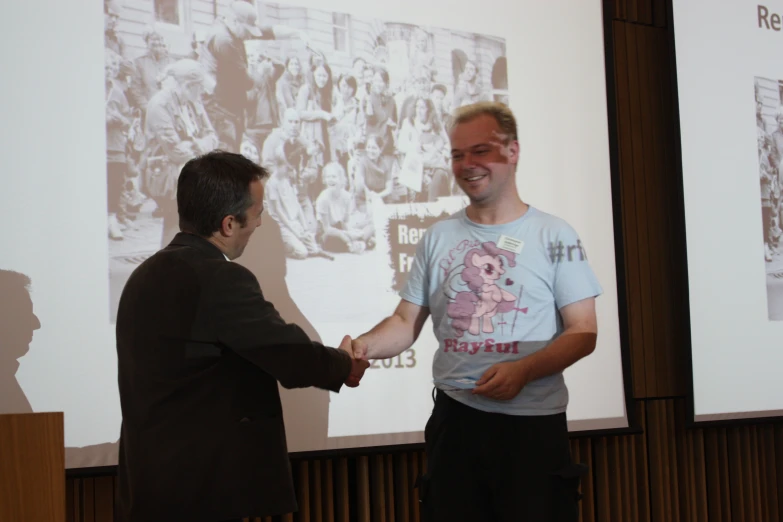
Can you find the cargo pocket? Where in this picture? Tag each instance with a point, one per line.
(565, 494)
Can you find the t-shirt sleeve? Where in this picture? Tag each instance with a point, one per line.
(574, 278)
(416, 288)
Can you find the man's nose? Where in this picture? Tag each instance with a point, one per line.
(467, 161)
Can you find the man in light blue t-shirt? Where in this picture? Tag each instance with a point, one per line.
(512, 299)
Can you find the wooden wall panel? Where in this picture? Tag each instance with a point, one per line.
(647, 177)
(620, 472)
(666, 472)
(628, 207)
(32, 467)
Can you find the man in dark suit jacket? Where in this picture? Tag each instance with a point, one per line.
(200, 352)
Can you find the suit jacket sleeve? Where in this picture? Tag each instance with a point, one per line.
(251, 326)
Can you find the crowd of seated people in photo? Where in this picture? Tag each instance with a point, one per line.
(338, 142)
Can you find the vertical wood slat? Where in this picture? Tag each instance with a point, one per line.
(343, 494)
(104, 499)
(751, 470)
(303, 492)
(718, 476)
(363, 489)
(401, 485)
(642, 463)
(70, 496)
(664, 484)
(327, 485)
(88, 500)
(773, 478)
(777, 444)
(316, 498)
(377, 492)
(620, 492)
(692, 455)
(388, 461)
(738, 492)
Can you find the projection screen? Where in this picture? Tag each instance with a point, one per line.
(82, 210)
(730, 85)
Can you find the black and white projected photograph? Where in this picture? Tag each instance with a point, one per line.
(769, 125)
(348, 114)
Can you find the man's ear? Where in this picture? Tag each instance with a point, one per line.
(513, 152)
(228, 226)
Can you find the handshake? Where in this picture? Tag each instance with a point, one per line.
(357, 349)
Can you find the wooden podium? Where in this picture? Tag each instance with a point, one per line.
(32, 467)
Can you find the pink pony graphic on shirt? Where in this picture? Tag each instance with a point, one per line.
(473, 290)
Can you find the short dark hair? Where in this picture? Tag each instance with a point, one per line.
(213, 186)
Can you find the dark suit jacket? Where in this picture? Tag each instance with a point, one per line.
(200, 352)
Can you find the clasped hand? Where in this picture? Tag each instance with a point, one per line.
(503, 381)
(359, 362)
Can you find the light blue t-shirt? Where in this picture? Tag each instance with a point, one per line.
(494, 294)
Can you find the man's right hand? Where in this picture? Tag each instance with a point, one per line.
(358, 364)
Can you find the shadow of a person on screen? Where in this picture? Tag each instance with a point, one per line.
(305, 410)
(18, 322)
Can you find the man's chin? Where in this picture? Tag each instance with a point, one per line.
(236, 254)
(476, 195)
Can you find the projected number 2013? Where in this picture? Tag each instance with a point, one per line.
(406, 359)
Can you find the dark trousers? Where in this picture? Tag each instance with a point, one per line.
(497, 468)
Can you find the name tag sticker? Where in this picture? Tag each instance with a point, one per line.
(511, 244)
